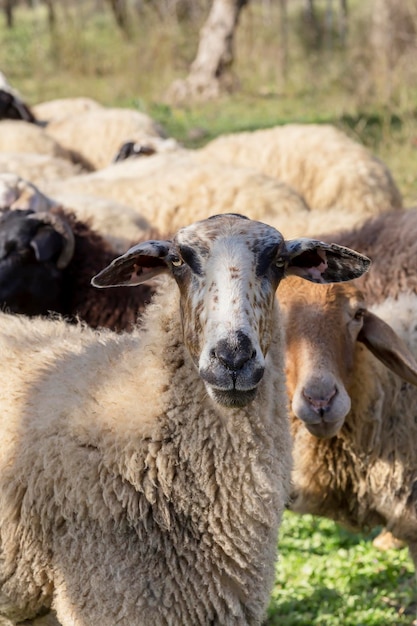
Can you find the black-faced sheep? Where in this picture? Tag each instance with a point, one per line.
(47, 260)
(13, 109)
(116, 222)
(143, 475)
(353, 415)
(12, 106)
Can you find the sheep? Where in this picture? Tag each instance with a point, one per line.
(147, 146)
(24, 137)
(393, 272)
(47, 260)
(117, 223)
(96, 135)
(394, 266)
(352, 414)
(17, 193)
(329, 169)
(38, 168)
(53, 110)
(143, 476)
(172, 189)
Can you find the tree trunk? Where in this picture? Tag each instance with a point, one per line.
(343, 21)
(210, 71)
(120, 13)
(283, 61)
(8, 11)
(313, 26)
(51, 13)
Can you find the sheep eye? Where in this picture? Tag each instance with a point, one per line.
(359, 314)
(177, 261)
(279, 262)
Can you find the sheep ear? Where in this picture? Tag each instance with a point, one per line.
(387, 346)
(322, 262)
(139, 264)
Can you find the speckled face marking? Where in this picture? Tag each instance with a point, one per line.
(227, 269)
(227, 290)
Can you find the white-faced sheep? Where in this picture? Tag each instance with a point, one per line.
(353, 415)
(97, 135)
(173, 189)
(328, 168)
(143, 475)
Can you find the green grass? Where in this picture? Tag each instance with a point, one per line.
(327, 576)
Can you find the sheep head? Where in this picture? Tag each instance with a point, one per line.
(35, 249)
(227, 269)
(323, 325)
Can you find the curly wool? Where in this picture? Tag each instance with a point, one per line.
(329, 169)
(390, 240)
(365, 476)
(173, 189)
(137, 471)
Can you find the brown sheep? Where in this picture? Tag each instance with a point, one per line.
(352, 415)
(394, 267)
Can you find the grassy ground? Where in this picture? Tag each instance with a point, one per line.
(329, 577)
(325, 576)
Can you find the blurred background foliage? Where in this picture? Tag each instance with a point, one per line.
(349, 62)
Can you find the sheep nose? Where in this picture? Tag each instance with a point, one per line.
(234, 351)
(320, 402)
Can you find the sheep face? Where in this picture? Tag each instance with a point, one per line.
(227, 269)
(323, 325)
(30, 281)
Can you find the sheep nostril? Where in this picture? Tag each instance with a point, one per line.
(234, 352)
(320, 402)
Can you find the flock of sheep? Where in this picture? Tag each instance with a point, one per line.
(152, 437)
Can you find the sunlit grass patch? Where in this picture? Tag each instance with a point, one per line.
(327, 576)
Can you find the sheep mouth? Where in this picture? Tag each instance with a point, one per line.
(232, 398)
(325, 430)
